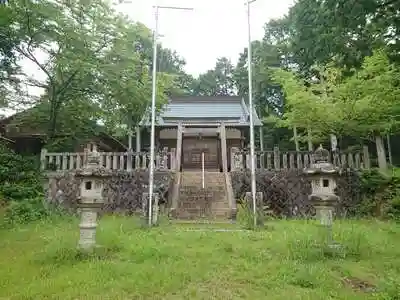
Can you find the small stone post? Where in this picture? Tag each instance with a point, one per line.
(323, 184)
(91, 199)
(155, 207)
(259, 205)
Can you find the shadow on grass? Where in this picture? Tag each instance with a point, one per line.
(72, 256)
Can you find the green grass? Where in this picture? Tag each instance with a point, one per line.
(40, 261)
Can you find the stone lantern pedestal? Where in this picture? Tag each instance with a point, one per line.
(323, 184)
(91, 199)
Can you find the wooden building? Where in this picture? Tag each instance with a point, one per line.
(196, 125)
(18, 133)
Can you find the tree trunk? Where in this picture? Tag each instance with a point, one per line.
(380, 149)
(309, 139)
(130, 134)
(296, 138)
(333, 142)
(389, 146)
(261, 138)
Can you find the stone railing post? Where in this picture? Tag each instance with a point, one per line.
(129, 160)
(172, 156)
(179, 147)
(277, 159)
(236, 159)
(164, 159)
(366, 160)
(43, 160)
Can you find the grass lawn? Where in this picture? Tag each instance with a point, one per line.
(40, 261)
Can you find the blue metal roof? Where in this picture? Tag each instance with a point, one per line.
(197, 110)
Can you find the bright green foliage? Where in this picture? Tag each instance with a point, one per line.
(305, 107)
(365, 104)
(370, 99)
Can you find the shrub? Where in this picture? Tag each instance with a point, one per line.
(20, 178)
(381, 194)
(21, 188)
(22, 212)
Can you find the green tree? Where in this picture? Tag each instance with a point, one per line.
(216, 82)
(343, 31)
(97, 63)
(370, 101)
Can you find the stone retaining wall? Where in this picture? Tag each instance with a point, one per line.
(285, 192)
(122, 191)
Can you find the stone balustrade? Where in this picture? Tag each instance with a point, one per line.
(127, 161)
(166, 160)
(281, 160)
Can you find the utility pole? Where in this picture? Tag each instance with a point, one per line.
(251, 108)
(153, 105)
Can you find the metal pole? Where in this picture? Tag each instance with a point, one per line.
(202, 169)
(153, 116)
(249, 63)
(153, 106)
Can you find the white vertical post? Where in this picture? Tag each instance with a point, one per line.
(202, 169)
(249, 70)
(153, 106)
(153, 116)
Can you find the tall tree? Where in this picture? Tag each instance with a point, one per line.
(216, 82)
(370, 101)
(344, 31)
(96, 63)
(266, 92)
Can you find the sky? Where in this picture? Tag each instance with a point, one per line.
(215, 28)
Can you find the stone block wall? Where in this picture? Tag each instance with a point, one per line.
(285, 192)
(122, 191)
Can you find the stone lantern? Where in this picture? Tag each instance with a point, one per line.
(323, 184)
(91, 200)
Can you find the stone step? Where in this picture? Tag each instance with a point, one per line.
(190, 199)
(200, 193)
(193, 202)
(198, 203)
(206, 175)
(202, 213)
(198, 186)
(209, 193)
(200, 181)
(201, 177)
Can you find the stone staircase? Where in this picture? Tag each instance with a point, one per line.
(196, 203)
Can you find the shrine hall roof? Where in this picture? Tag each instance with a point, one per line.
(202, 110)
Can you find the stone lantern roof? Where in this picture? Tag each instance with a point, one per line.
(93, 167)
(321, 164)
